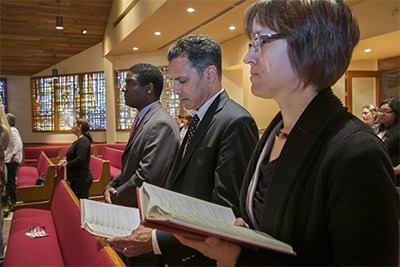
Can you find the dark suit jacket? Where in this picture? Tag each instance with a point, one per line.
(212, 167)
(331, 194)
(148, 155)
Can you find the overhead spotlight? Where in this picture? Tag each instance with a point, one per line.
(59, 23)
(232, 28)
(157, 33)
(368, 50)
(190, 9)
(135, 48)
(84, 31)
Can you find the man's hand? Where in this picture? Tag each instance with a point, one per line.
(108, 193)
(136, 244)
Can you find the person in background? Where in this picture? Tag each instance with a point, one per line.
(5, 137)
(370, 116)
(78, 159)
(179, 121)
(187, 119)
(389, 131)
(308, 183)
(13, 157)
(213, 156)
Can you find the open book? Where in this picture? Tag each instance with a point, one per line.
(180, 214)
(108, 220)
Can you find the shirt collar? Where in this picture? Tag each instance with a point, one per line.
(146, 109)
(201, 112)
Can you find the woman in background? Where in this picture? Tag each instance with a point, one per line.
(307, 183)
(389, 131)
(78, 159)
(370, 116)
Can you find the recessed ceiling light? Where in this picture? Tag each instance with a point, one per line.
(157, 33)
(232, 28)
(190, 9)
(135, 48)
(84, 31)
(367, 50)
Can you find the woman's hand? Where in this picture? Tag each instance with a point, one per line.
(224, 252)
(62, 163)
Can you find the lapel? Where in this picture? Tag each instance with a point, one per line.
(140, 127)
(206, 122)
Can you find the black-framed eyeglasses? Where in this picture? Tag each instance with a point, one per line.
(267, 38)
(386, 111)
(129, 82)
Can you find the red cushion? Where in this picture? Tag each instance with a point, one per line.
(25, 251)
(27, 175)
(43, 164)
(114, 171)
(119, 146)
(95, 167)
(114, 156)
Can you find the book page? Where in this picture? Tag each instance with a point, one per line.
(102, 217)
(164, 203)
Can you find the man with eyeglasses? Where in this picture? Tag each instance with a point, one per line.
(154, 137)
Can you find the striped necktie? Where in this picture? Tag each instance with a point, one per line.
(134, 125)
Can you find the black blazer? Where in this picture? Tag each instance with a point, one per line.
(212, 167)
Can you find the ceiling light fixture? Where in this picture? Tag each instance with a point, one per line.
(368, 50)
(190, 9)
(59, 19)
(84, 31)
(135, 48)
(232, 28)
(157, 33)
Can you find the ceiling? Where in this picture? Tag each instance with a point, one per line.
(29, 42)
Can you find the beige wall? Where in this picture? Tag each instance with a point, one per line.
(235, 80)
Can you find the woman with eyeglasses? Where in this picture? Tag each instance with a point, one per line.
(308, 182)
(389, 131)
(370, 116)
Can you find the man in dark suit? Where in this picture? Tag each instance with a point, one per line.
(153, 142)
(213, 157)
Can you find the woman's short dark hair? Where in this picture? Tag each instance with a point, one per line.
(201, 51)
(321, 35)
(147, 73)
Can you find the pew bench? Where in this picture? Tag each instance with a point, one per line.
(27, 175)
(115, 157)
(30, 154)
(66, 245)
(100, 170)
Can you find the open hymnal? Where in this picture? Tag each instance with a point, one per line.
(108, 220)
(177, 213)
